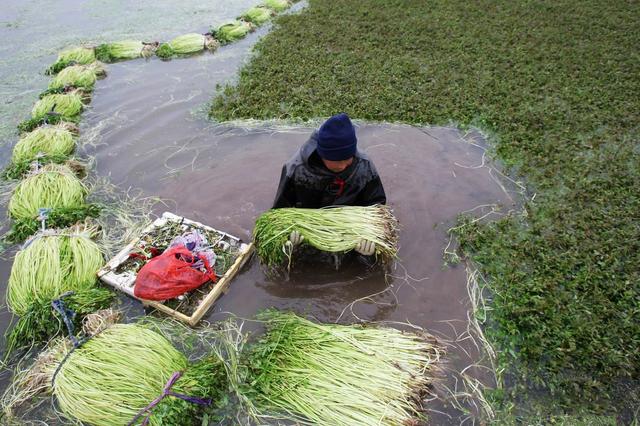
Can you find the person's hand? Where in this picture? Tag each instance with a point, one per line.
(365, 248)
(295, 238)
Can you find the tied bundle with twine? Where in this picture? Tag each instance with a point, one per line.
(65, 105)
(52, 186)
(277, 5)
(258, 15)
(49, 143)
(232, 31)
(126, 374)
(187, 44)
(78, 76)
(123, 50)
(298, 371)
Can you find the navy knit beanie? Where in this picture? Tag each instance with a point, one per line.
(337, 138)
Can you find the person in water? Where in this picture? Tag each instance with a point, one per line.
(328, 170)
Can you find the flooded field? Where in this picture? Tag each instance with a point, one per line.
(147, 129)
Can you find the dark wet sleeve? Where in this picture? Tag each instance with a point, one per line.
(373, 193)
(286, 194)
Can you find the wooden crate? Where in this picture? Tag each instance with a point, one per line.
(125, 280)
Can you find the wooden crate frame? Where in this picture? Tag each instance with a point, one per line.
(124, 282)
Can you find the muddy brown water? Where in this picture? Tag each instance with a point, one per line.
(147, 129)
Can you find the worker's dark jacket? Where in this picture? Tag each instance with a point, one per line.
(306, 182)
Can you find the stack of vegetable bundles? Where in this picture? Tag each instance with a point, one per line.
(299, 371)
(53, 265)
(127, 374)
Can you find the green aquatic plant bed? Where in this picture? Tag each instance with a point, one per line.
(555, 83)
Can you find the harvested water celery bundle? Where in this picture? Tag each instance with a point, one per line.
(54, 186)
(257, 15)
(330, 375)
(187, 44)
(122, 50)
(79, 76)
(334, 230)
(232, 31)
(66, 105)
(58, 139)
(129, 374)
(277, 5)
(72, 56)
(51, 264)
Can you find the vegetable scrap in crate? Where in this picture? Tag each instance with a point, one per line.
(177, 266)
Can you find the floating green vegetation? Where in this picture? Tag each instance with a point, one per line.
(54, 186)
(187, 44)
(557, 84)
(72, 56)
(51, 264)
(67, 105)
(334, 230)
(258, 15)
(232, 31)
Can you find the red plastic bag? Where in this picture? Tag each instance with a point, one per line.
(170, 275)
